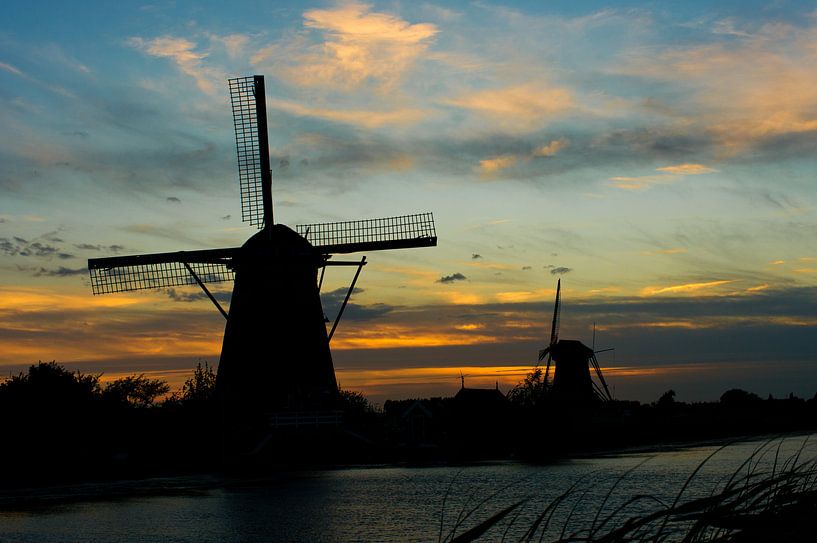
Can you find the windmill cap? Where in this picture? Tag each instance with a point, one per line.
(281, 240)
(570, 348)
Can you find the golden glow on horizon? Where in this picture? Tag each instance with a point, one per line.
(375, 381)
(40, 299)
(476, 376)
(683, 289)
(94, 347)
(391, 336)
(462, 298)
(525, 295)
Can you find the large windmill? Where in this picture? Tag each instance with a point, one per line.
(275, 354)
(573, 359)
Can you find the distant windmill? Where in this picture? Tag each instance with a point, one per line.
(571, 378)
(275, 354)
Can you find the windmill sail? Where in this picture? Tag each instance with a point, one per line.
(372, 234)
(160, 270)
(554, 332)
(252, 148)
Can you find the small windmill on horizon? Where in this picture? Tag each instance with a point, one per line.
(573, 359)
(275, 354)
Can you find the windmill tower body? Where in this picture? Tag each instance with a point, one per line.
(571, 378)
(275, 353)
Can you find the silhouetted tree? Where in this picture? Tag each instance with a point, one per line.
(49, 384)
(354, 402)
(667, 399)
(199, 388)
(135, 390)
(737, 396)
(530, 391)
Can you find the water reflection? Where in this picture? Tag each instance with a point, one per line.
(378, 503)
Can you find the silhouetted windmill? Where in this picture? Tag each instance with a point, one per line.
(275, 354)
(571, 378)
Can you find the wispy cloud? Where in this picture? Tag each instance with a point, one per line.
(670, 174)
(368, 118)
(687, 169)
(183, 53)
(10, 68)
(518, 108)
(688, 288)
(235, 44)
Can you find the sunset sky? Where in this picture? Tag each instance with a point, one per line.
(659, 157)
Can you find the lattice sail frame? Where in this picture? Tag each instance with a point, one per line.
(162, 270)
(250, 170)
(403, 231)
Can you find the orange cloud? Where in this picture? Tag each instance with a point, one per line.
(358, 46)
(492, 165)
(749, 89)
(551, 149)
(470, 327)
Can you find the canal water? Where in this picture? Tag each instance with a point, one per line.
(380, 503)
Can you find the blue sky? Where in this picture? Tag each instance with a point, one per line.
(658, 157)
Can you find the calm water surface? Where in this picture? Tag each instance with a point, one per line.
(373, 503)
